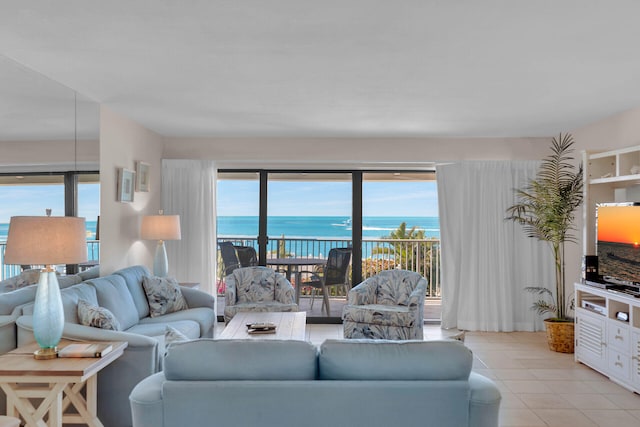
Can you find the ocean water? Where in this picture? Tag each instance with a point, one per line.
(90, 226)
(338, 227)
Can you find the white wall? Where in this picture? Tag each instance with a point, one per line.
(351, 152)
(122, 143)
(48, 156)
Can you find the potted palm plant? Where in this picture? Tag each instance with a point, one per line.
(546, 209)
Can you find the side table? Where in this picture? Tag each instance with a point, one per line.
(192, 285)
(53, 385)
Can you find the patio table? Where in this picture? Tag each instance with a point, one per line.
(292, 267)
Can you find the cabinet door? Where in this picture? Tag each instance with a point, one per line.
(635, 360)
(591, 339)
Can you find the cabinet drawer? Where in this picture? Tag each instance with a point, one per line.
(618, 334)
(619, 364)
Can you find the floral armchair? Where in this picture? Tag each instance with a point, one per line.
(389, 305)
(257, 289)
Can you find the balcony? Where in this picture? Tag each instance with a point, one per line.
(419, 255)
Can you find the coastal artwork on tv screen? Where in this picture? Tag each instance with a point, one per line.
(618, 245)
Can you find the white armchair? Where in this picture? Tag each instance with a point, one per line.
(257, 289)
(389, 305)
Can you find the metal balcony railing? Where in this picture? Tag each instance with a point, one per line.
(419, 255)
(9, 270)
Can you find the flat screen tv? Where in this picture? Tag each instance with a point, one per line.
(618, 242)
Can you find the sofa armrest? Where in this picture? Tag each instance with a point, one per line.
(484, 401)
(146, 402)
(8, 339)
(196, 298)
(230, 294)
(364, 293)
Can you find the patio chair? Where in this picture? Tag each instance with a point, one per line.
(333, 274)
(257, 289)
(247, 256)
(389, 305)
(229, 257)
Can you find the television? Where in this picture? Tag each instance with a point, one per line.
(618, 242)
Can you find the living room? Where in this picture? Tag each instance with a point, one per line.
(366, 139)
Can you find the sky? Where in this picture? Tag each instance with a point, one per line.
(619, 224)
(240, 198)
(28, 200)
(313, 198)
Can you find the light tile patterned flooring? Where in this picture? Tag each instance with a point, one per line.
(539, 387)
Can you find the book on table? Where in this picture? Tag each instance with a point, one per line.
(85, 350)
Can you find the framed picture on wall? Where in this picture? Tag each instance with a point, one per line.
(125, 186)
(142, 176)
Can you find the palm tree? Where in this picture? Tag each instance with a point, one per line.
(409, 256)
(546, 210)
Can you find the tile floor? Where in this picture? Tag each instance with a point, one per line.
(539, 387)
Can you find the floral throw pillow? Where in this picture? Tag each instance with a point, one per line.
(98, 317)
(172, 335)
(164, 295)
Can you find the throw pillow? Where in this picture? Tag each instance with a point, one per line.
(164, 295)
(98, 317)
(172, 335)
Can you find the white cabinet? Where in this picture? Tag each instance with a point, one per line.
(603, 342)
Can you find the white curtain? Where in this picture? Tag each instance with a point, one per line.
(188, 190)
(487, 261)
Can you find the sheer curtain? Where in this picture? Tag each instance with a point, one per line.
(486, 260)
(188, 190)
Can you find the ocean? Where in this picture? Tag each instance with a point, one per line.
(330, 227)
(90, 226)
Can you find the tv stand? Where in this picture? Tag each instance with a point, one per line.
(604, 342)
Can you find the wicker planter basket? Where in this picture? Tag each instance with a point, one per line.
(560, 335)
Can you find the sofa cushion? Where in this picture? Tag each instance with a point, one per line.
(206, 359)
(173, 335)
(10, 300)
(69, 280)
(164, 295)
(133, 278)
(97, 317)
(188, 328)
(70, 297)
(204, 317)
(114, 295)
(377, 314)
(394, 360)
(394, 287)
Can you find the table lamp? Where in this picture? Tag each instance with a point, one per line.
(160, 227)
(48, 241)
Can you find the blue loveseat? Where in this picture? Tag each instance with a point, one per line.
(122, 293)
(239, 383)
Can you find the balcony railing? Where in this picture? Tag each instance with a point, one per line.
(10, 270)
(419, 255)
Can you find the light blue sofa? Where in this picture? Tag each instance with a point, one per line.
(289, 383)
(122, 294)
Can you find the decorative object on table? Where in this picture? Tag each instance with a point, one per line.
(125, 185)
(160, 227)
(85, 350)
(48, 241)
(546, 210)
(142, 176)
(261, 328)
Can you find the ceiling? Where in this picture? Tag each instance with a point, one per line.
(345, 68)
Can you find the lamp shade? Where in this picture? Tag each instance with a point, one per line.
(160, 227)
(46, 240)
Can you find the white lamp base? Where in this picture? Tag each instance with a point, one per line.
(48, 315)
(160, 261)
